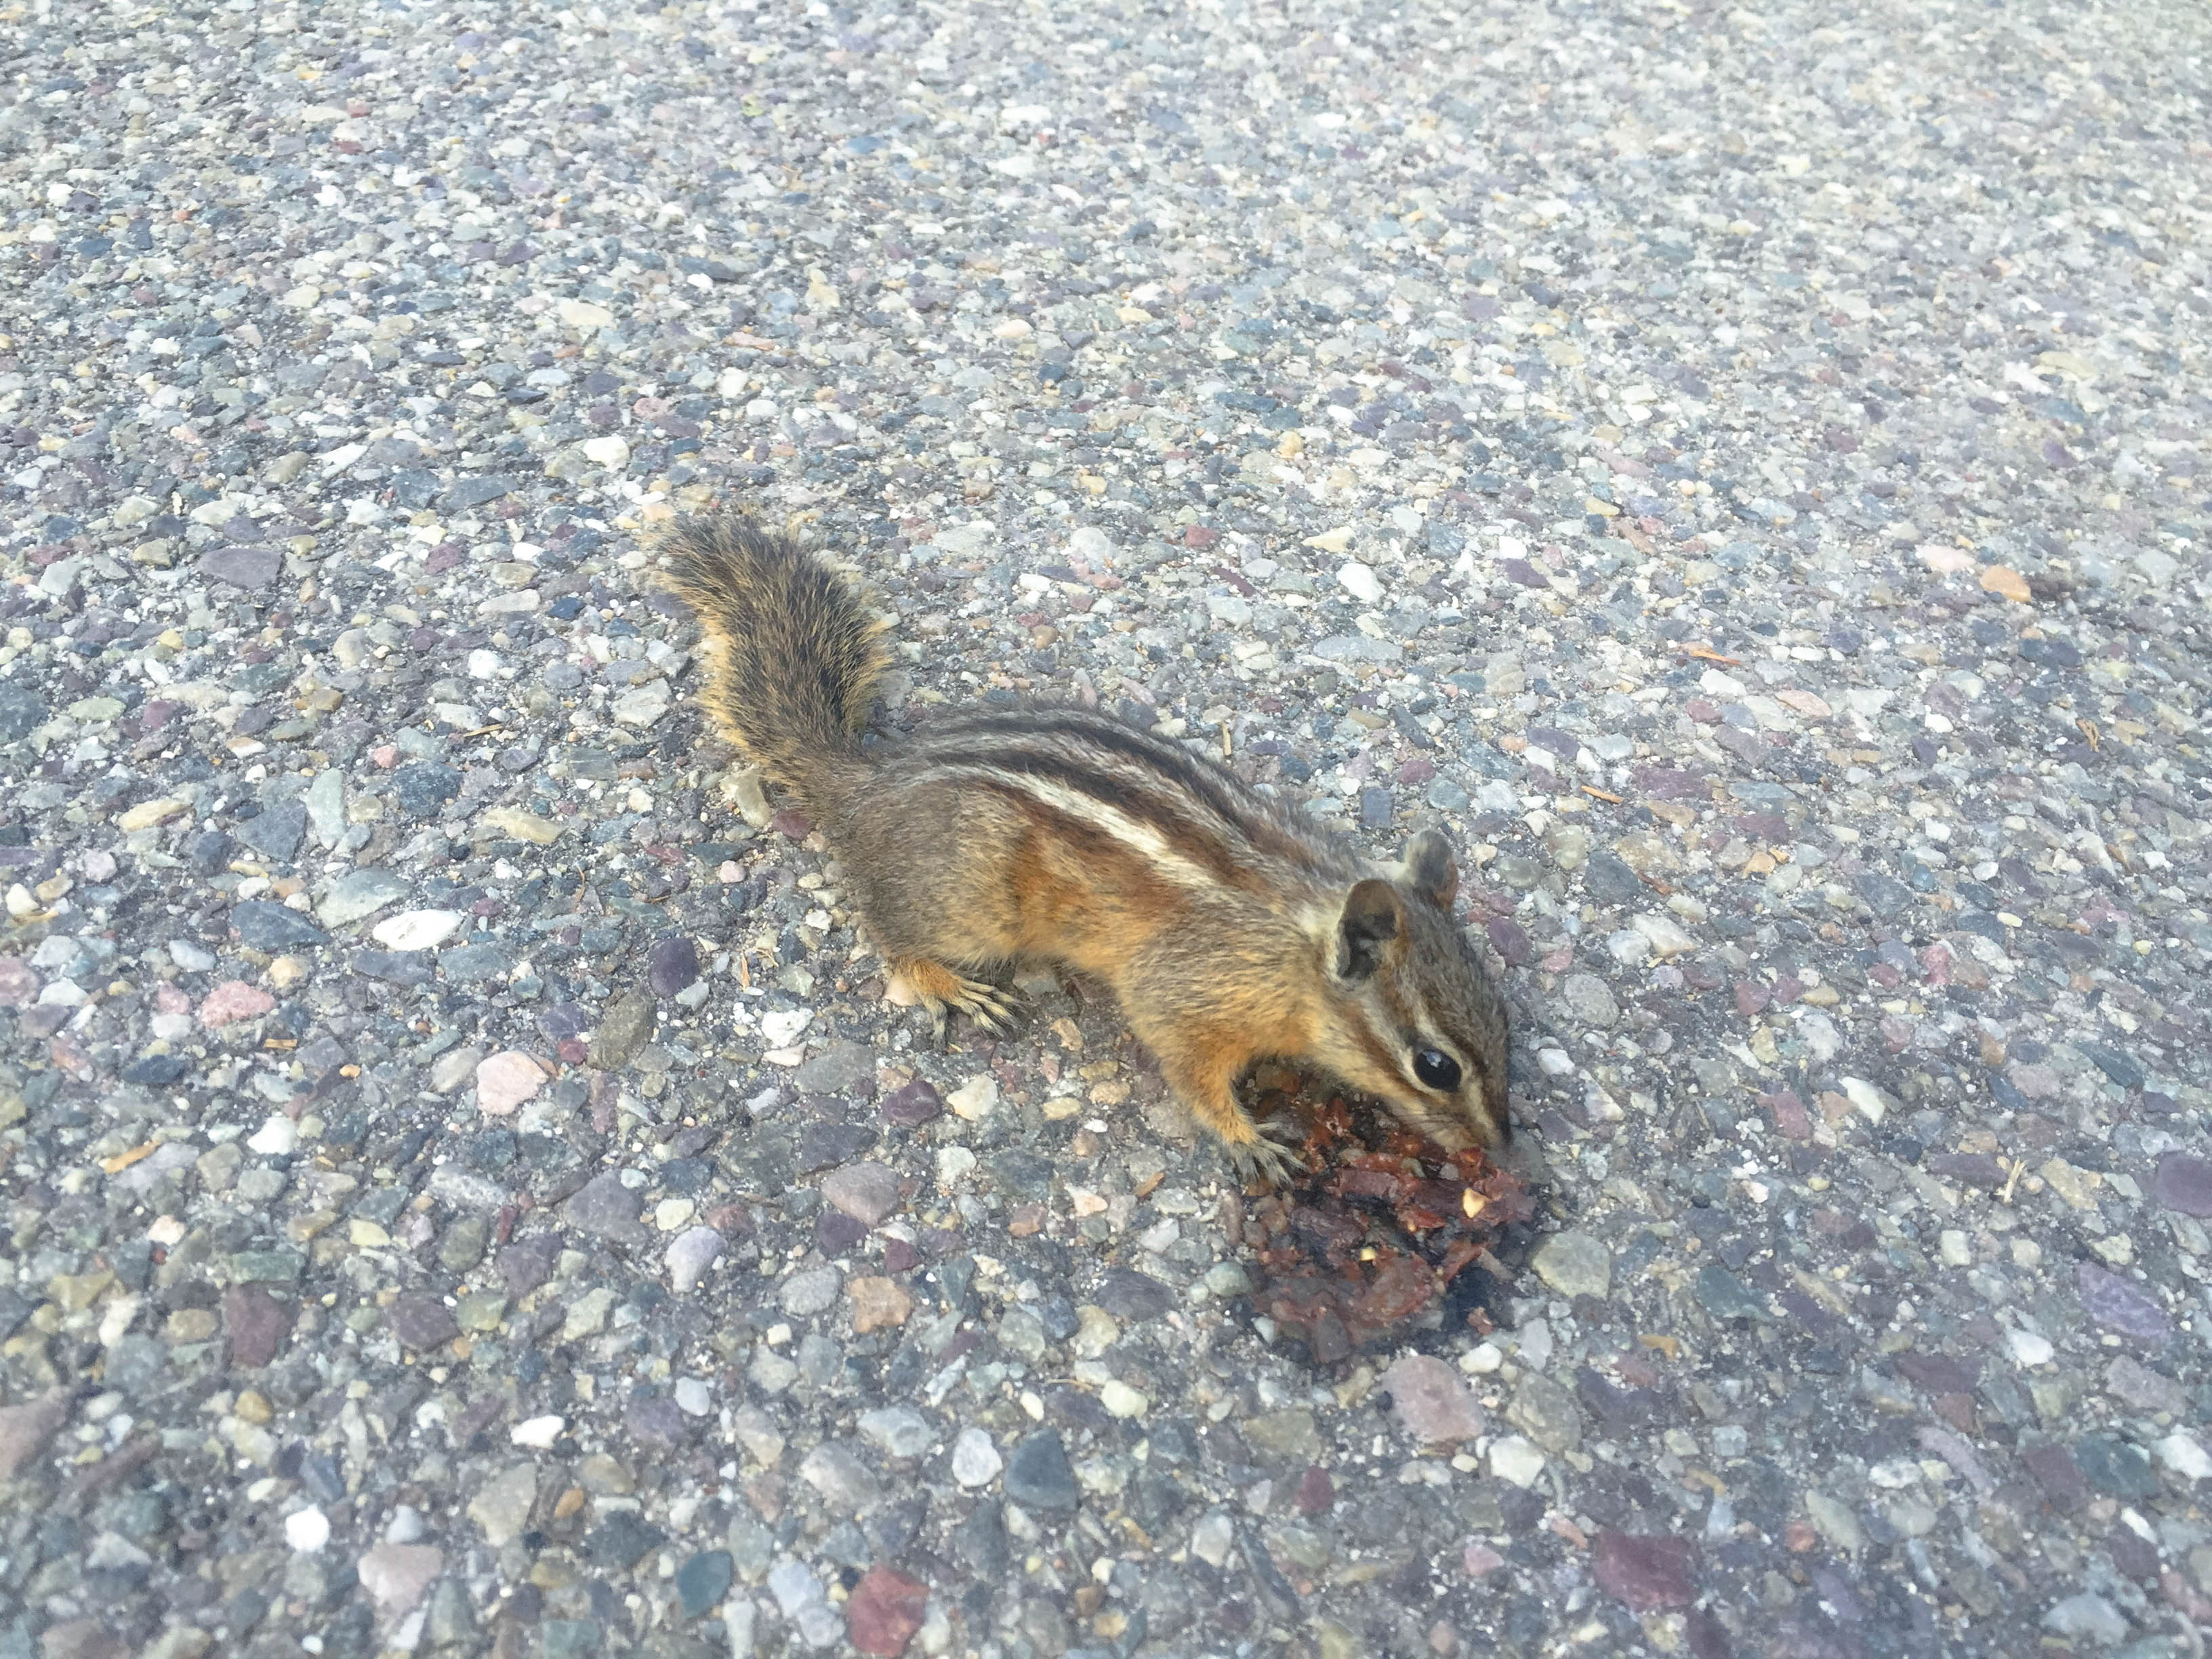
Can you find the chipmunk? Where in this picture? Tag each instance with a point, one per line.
(1230, 929)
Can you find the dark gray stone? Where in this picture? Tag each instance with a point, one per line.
(605, 1208)
(472, 964)
(2121, 1068)
(421, 1322)
(1039, 1476)
(466, 493)
(979, 1542)
(1724, 1296)
(275, 833)
(426, 787)
(1885, 895)
(844, 1067)
(1610, 880)
(208, 853)
(703, 1581)
(623, 1539)
(672, 964)
(243, 566)
(1133, 1297)
(265, 925)
(2116, 1467)
(21, 713)
(2183, 1183)
(397, 967)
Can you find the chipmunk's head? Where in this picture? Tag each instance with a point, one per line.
(1415, 1019)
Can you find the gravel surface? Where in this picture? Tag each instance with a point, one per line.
(1744, 472)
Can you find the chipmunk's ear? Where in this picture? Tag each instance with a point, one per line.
(1432, 872)
(1371, 919)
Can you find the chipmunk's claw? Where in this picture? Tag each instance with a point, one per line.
(1272, 1157)
(987, 1005)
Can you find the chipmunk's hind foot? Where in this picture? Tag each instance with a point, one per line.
(943, 993)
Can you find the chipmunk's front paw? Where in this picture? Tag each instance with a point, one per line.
(1270, 1158)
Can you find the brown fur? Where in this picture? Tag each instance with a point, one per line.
(1230, 929)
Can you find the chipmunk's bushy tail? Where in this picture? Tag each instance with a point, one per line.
(793, 657)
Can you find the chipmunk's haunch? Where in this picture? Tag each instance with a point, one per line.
(1230, 930)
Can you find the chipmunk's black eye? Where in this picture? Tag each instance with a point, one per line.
(1439, 1071)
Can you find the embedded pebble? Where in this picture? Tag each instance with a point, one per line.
(1430, 1401)
(358, 894)
(976, 1460)
(396, 1576)
(307, 1530)
(867, 1191)
(417, 930)
(231, 1002)
(1516, 1460)
(505, 1080)
(1574, 1263)
(690, 1255)
(899, 1430)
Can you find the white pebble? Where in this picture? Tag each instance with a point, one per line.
(2029, 1350)
(1121, 1399)
(275, 1138)
(1482, 1358)
(2185, 1456)
(782, 1028)
(417, 930)
(1211, 1538)
(692, 1397)
(1628, 947)
(1665, 935)
(1093, 546)
(1515, 1459)
(694, 1251)
(1359, 581)
(976, 1460)
(307, 1530)
(538, 1431)
(974, 1099)
(1867, 1098)
(405, 1527)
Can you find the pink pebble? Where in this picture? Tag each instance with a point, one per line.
(1482, 1560)
(19, 986)
(233, 1000)
(506, 1080)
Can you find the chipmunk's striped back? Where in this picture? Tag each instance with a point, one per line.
(1230, 928)
(1200, 823)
